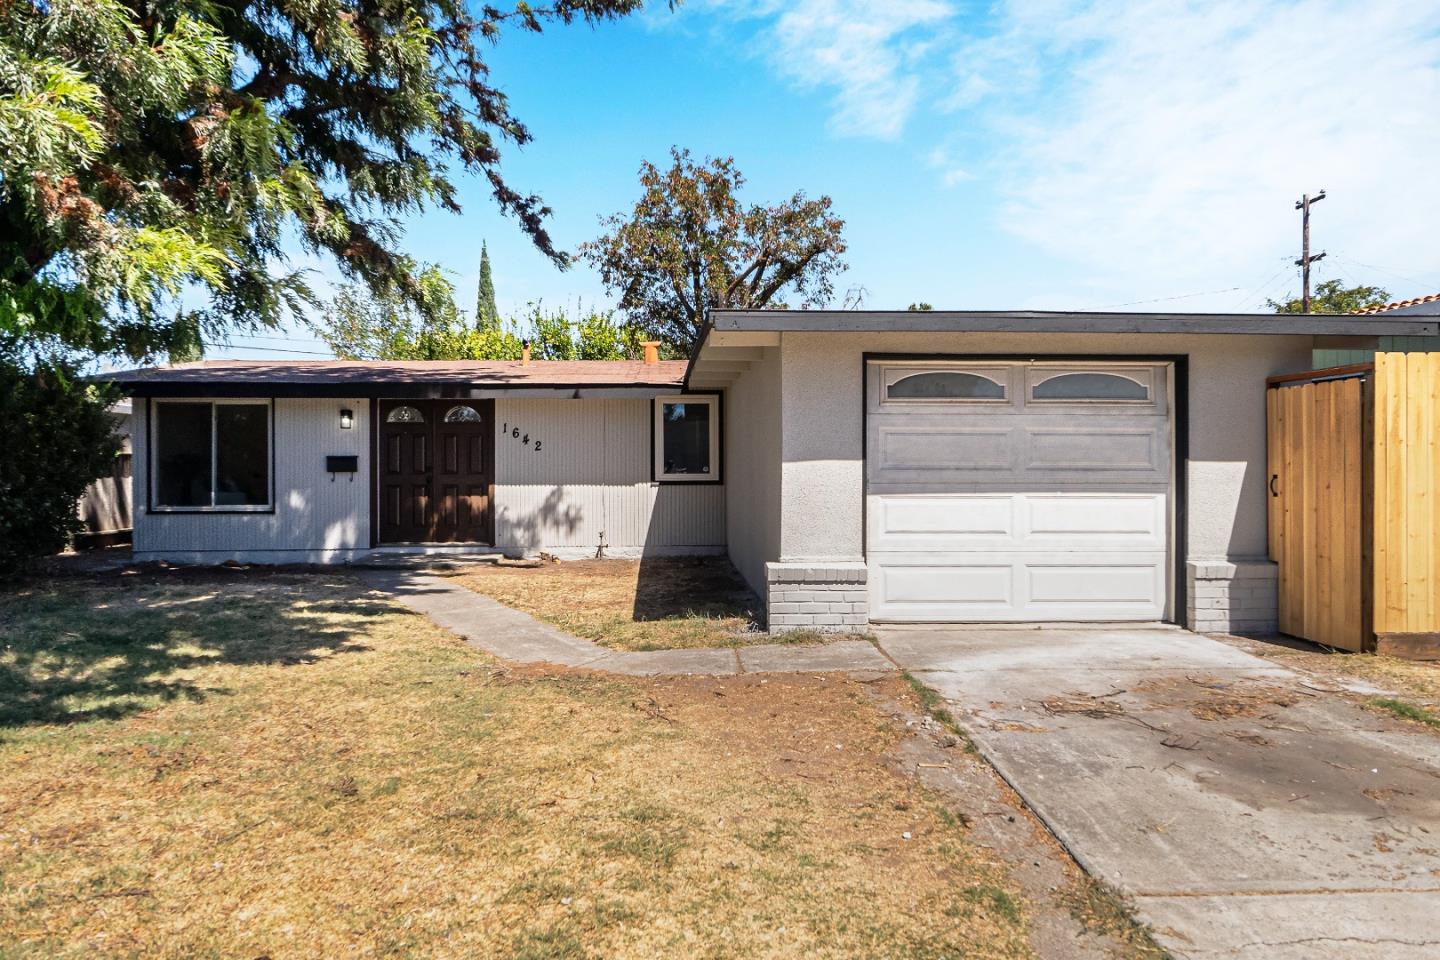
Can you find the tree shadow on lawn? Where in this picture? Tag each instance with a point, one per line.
(102, 648)
(703, 586)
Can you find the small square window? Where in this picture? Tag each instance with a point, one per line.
(687, 439)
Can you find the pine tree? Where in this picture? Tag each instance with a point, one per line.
(156, 158)
(487, 314)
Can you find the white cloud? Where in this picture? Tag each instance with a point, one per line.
(951, 171)
(1162, 144)
(1155, 145)
(872, 54)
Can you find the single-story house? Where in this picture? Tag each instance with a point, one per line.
(857, 466)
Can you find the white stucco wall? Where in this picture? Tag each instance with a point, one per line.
(822, 430)
(315, 519)
(592, 476)
(752, 447)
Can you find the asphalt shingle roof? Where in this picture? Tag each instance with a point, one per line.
(482, 373)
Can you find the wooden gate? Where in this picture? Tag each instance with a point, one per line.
(1319, 454)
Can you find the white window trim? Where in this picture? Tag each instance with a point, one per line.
(215, 402)
(658, 439)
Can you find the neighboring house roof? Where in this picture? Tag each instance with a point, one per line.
(397, 377)
(1408, 306)
(1069, 321)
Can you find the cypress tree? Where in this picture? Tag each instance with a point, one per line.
(487, 314)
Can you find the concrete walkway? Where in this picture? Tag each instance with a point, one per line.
(512, 635)
(1249, 812)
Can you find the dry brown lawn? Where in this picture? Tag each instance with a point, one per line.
(249, 765)
(1417, 679)
(1411, 688)
(659, 604)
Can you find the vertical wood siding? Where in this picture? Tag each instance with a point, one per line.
(1325, 357)
(312, 513)
(1407, 471)
(590, 476)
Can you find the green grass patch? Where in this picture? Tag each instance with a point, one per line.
(934, 706)
(1105, 911)
(1407, 711)
(993, 900)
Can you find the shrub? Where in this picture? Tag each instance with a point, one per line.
(56, 435)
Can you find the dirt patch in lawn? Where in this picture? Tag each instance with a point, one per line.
(1213, 698)
(660, 604)
(289, 766)
(1408, 689)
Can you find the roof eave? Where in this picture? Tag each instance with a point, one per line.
(155, 387)
(1034, 321)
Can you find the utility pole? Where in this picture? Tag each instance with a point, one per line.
(1303, 205)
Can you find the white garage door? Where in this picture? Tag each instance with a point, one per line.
(1018, 491)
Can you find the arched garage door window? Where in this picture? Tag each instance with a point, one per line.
(945, 385)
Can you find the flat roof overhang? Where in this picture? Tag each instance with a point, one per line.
(733, 340)
(401, 392)
(1068, 321)
(472, 380)
(411, 391)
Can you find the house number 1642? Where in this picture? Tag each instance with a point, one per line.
(515, 434)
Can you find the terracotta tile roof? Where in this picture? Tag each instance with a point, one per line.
(477, 373)
(1402, 304)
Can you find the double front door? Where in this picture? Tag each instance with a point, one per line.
(436, 471)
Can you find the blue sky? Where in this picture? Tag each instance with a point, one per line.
(1046, 154)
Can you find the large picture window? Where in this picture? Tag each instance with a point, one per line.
(687, 439)
(211, 455)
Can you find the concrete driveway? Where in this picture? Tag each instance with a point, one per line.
(1250, 811)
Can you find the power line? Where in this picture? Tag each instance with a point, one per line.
(1183, 296)
(1428, 284)
(1262, 288)
(256, 336)
(246, 346)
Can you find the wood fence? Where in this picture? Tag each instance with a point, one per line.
(1354, 457)
(1407, 521)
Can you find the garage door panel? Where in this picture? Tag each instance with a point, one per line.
(1016, 521)
(1049, 504)
(942, 522)
(982, 583)
(1134, 581)
(1106, 450)
(922, 451)
(990, 587)
(921, 448)
(1080, 521)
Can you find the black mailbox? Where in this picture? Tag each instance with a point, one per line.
(342, 464)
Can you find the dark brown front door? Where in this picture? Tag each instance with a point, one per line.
(462, 482)
(435, 472)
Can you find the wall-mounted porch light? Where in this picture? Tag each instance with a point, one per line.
(347, 419)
